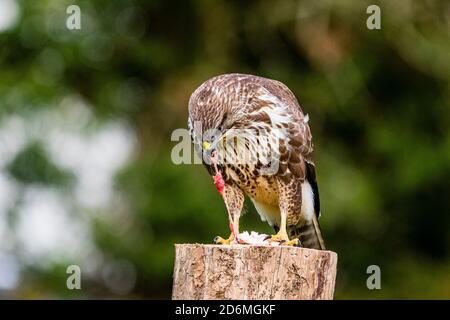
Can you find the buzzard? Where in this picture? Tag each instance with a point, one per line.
(255, 140)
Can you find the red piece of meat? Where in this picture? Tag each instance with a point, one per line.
(219, 182)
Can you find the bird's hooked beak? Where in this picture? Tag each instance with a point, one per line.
(211, 153)
(206, 145)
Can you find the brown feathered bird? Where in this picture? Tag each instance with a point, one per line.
(254, 134)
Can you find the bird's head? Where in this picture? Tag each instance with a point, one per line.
(211, 114)
(208, 129)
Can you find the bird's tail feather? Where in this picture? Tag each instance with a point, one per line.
(309, 234)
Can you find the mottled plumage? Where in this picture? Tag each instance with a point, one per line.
(259, 123)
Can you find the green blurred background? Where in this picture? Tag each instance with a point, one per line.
(86, 116)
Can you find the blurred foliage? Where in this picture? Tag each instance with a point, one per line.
(32, 165)
(378, 101)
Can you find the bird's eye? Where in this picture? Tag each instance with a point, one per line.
(222, 123)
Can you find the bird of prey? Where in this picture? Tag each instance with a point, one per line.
(269, 124)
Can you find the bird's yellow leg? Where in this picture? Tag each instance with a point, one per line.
(282, 236)
(220, 240)
(234, 226)
(234, 200)
(286, 209)
(283, 239)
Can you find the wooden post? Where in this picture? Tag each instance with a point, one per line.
(252, 272)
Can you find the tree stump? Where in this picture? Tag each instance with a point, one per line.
(252, 272)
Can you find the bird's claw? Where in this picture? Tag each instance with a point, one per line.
(283, 240)
(230, 240)
(220, 240)
(294, 242)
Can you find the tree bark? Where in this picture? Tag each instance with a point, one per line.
(253, 272)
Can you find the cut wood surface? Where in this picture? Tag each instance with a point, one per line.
(252, 272)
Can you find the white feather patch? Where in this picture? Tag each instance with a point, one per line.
(268, 213)
(307, 201)
(276, 110)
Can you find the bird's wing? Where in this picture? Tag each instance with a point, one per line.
(289, 126)
(296, 158)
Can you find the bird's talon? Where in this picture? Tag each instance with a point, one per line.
(278, 238)
(220, 240)
(294, 243)
(283, 239)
